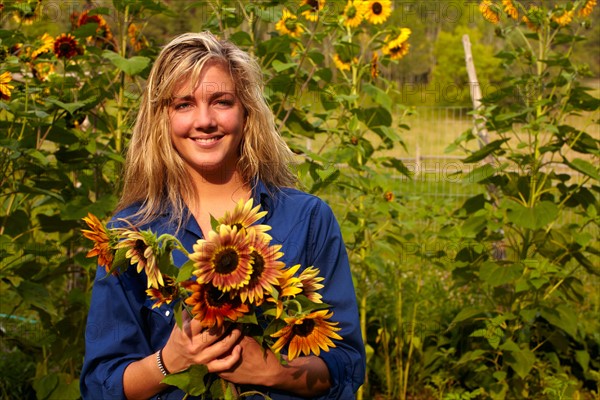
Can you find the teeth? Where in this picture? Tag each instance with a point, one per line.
(207, 140)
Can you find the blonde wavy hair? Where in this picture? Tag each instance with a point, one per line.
(155, 175)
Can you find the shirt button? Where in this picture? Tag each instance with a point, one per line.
(167, 313)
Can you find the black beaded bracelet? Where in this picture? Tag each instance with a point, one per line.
(160, 363)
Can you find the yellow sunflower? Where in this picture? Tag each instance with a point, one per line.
(103, 243)
(376, 12)
(587, 9)
(5, 86)
(312, 14)
(307, 334)
(398, 47)
(563, 17)
(41, 70)
(25, 13)
(223, 259)
(533, 18)
(244, 216)
(352, 14)
(165, 294)
(289, 25)
(341, 64)
(266, 271)
(289, 286)
(45, 47)
(510, 9)
(142, 252)
(66, 46)
(212, 306)
(489, 11)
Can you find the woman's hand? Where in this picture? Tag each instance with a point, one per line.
(256, 365)
(305, 376)
(191, 344)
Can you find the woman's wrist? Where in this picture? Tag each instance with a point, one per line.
(160, 363)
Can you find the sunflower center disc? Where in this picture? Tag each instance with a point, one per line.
(305, 328)
(226, 261)
(377, 8)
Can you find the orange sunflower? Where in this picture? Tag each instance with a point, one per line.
(141, 251)
(164, 294)
(211, 306)
(312, 14)
(5, 86)
(266, 271)
(311, 283)
(66, 46)
(223, 259)
(375, 66)
(103, 242)
(288, 25)
(398, 47)
(102, 31)
(244, 216)
(376, 12)
(307, 334)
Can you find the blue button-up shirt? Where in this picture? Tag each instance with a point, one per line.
(123, 327)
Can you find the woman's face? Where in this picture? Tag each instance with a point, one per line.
(207, 122)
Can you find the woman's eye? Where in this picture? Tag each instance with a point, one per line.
(181, 106)
(224, 102)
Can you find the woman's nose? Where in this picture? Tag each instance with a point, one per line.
(204, 119)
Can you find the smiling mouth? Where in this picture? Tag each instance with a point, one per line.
(207, 140)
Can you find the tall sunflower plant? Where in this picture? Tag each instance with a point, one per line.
(233, 277)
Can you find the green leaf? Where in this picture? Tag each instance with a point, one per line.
(532, 218)
(380, 97)
(185, 272)
(214, 223)
(485, 151)
(190, 381)
(496, 275)
(278, 66)
(131, 66)
(70, 107)
(584, 167)
(374, 116)
(479, 174)
(467, 313)
(562, 317)
(473, 225)
(37, 295)
(520, 360)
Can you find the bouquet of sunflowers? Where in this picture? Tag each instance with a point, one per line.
(234, 274)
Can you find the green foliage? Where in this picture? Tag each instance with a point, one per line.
(493, 297)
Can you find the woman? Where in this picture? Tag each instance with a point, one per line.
(205, 139)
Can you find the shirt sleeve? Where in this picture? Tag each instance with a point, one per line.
(347, 361)
(122, 327)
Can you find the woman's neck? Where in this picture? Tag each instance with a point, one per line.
(217, 193)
